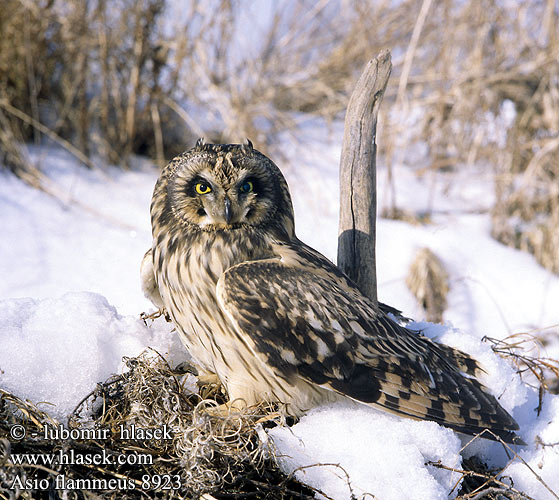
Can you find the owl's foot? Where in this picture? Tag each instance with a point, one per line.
(154, 315)
(208, 378)
(239, 409)
(204, 378)
(227, 410)
(209, 385)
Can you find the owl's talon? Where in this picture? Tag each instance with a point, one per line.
(208, 379)
(228, 409)
(186, 367)
(156, 314)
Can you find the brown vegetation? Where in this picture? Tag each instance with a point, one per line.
(478, 83)
(221, 455)
(428, 280)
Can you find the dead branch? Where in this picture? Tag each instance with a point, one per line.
(356, 240)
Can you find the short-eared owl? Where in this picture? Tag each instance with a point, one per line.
(273, 318)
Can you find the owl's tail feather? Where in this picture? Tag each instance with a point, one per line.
(450, 399)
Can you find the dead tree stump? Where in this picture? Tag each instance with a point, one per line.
(356, 240)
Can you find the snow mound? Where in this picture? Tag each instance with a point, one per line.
(381, 454)
(57, 350)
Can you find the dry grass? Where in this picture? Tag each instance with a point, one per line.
(478, 482)
(524, 351)
(116, 75)
(85, 74)
(427, 279)
(479, 84)
(527, 213)
(475, 82)
(221, 455)
(113, 79)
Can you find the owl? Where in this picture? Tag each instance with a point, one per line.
(273, 319)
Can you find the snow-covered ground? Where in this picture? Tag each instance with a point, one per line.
(70, 301)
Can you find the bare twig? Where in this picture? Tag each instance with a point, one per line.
(48, 132)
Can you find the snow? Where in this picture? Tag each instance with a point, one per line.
(368, 451)
(70, 301)
(56, 350)
(544, 461)
(93, 238)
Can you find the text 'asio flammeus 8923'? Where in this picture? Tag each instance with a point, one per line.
(273, 318)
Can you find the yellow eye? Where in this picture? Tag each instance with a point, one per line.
(247, 187)
(202, 188)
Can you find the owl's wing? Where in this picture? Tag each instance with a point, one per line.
(309, 323)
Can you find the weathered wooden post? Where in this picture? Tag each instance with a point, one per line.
(356, 235)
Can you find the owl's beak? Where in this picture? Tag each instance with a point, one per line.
(228, 213)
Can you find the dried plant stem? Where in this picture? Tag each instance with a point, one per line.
(48, 132)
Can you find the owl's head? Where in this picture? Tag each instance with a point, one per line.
(216, 187)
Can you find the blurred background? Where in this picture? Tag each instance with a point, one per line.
(473, 84)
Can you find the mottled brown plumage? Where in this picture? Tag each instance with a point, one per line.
(273, 318)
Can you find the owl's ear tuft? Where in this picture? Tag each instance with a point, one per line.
(247, 146)
(200, 142)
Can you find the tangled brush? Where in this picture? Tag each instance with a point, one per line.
(208, 452)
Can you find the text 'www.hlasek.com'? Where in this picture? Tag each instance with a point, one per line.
(69, 453)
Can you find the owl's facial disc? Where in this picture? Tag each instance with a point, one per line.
(211, 202)
(215, 187)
